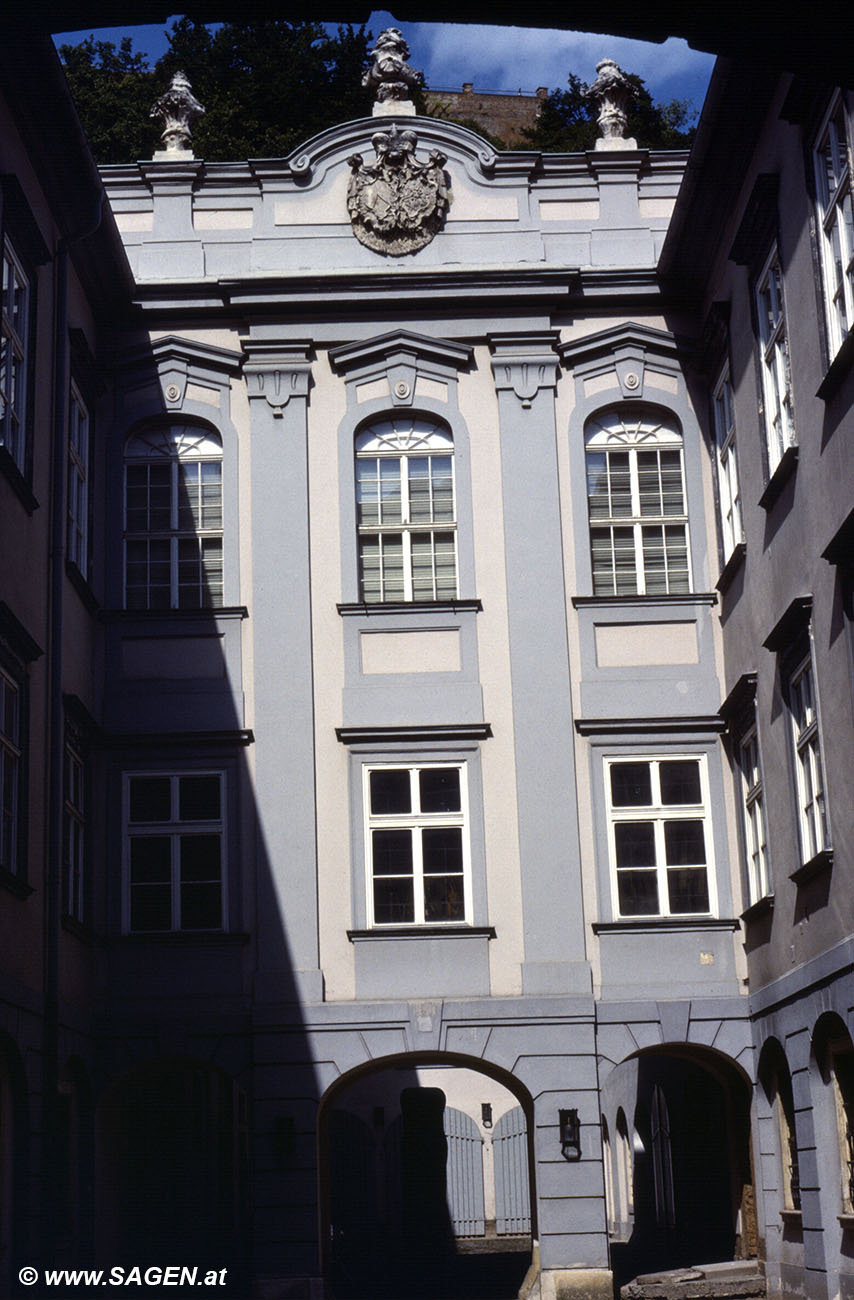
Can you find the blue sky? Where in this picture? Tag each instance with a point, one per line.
(507, 58)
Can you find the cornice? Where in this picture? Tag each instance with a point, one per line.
(386, 347)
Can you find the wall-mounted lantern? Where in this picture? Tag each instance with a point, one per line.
(570, 1134)
(486, 1114)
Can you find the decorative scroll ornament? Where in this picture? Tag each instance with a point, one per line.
(389, 75)
(614, 95)
(397, 204)
(176, 109)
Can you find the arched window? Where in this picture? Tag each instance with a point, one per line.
(834, 1054)
(637, 504)
(610, 1202)
(777, 1084)
(625, 1178)
(173, 519)
(405, 511)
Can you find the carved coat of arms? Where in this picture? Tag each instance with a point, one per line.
(397, 204)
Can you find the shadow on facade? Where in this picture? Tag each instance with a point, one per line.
(417, 1198)
(680, 1173)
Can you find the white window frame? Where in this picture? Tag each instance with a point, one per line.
(802, 701)
(174, 829)
(402, 440)
(74, 834)
(15, 309)
(415, 821)
(630, 433)
(11, 765)
(660, 814)
(181, 447)
(729, 496)
(774, 355)
(77, 539)
(835, 208)
(753, 814)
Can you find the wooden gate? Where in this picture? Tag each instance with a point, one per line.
(465, 1173)
(512, 1186)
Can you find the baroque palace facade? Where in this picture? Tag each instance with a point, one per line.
(426, 659)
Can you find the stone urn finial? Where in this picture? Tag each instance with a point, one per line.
(614, 95)
(390, 76)
(176, 109)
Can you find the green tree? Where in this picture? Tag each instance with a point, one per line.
(265, 86)
(567, 121)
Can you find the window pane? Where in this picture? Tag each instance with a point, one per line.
(631, 785)
(392, 852)
(444, 898)
(680, 782)
(198, 798)
(684, 843)
(688, 891)
(200, 858)
(150, 799)
(150, 859)
(635, 844)
(637, 893)
(150, 907)
(393, 902)
(442, 848)
(201, 907)
(440, 789)
(390, 791)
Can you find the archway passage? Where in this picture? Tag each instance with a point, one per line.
(173, 1169)
(425, 1184)
(688, 1154)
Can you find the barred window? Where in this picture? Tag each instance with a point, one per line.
(405, 511)
(637, 505)
(173, 519)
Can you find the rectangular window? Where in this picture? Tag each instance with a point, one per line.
(14, 357)
(776, 375)
(417, 844)
(11, 761)
(729, 498)
(659, 835)
(806, 741)
(74, 835)
(175, 852)
(753, 812)
(836, 223)
(77, 540)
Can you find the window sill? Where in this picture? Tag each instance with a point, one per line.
(182, 938)
(17, 482)
(15, 885)
(816, 866)
(778, 480)
(79, 930)
(423, 932)
(762, 907)
(640, 925)
(81, 586)
(732, 566)
(361, 607)
(838, 369)
(173, 615)
(791, 1217)
(676, 598)
(846, 1221)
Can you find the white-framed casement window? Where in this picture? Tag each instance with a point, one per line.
(14, 357)
(417, 849)
(774, 352)
(11, 760)
(77, 538)
(660, 836)
(832, 160)
(406, 516)
(806, 743)
(174, 851)
(729, 497)
(637, 505)
(74, 835)
(753, 811)
(173, 519)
